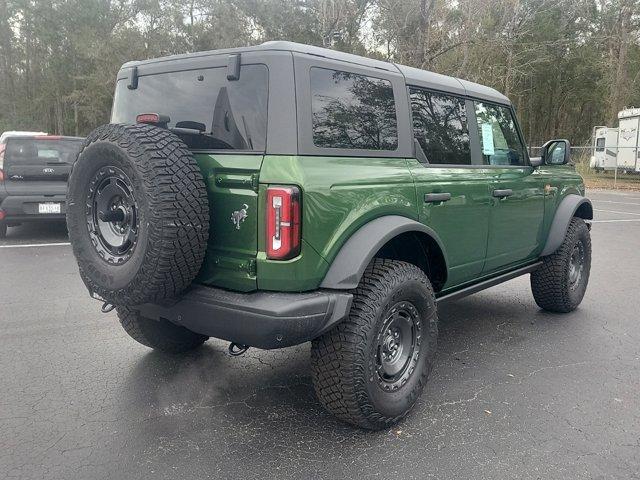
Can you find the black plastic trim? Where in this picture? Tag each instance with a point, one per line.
(564, 213)
(354, 256)
(259, 319)
(490, 282)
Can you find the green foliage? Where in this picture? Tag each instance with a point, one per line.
(566, 64)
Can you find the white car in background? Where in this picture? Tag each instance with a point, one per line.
(15, 133)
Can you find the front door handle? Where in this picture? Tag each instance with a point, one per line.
(436, 197)
(507, 192)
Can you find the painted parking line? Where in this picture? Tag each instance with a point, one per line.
(616, 211)
(619, 220)
(611, 201)
(31, 245)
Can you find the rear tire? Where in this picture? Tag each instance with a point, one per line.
(3, 229)
(160, 334)
(560, 283)
(370, 369)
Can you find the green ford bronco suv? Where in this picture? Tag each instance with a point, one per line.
(284, 193)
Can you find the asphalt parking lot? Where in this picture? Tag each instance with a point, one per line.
(515, 392)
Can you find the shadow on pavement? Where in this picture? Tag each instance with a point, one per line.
(273, 391)
(38, 232)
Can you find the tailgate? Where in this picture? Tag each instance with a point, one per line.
(232, 186)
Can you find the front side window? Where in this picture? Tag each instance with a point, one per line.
(205, 109)
(499, 139)
(600, 144)
(352, 111)
(440, 127)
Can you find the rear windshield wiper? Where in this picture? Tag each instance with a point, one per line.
(196, 137)
(191, 125)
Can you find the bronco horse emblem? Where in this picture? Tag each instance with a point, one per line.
(239, 216)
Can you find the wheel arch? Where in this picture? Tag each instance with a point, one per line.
(383, 237)
(571, 206)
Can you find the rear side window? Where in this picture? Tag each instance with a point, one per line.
(36, 152)
(600, 144)
(352, 111)
(499, 139)
(205, 109)
(440, 127)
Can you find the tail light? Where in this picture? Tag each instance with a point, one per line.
(283, 222)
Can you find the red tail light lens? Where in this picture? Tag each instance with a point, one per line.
(283, 222)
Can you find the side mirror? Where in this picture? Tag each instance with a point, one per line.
(556, 152)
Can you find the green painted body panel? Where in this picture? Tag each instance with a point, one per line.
(461, 223)
(562, 180)
(516, 222)
(482, 235)
(232, 184)
(339, 195)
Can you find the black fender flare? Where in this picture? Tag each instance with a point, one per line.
(564, 213)
(356, 253)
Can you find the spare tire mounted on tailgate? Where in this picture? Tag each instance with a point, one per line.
(138, 214)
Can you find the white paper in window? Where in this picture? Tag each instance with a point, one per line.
(487, 139)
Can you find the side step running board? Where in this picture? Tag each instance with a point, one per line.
(490, 282)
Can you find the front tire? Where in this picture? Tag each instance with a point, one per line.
(560, 283)
(370, 369)
(158, 334)
(3, 229)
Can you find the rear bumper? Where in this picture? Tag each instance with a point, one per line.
(24, 208)
(259, 319)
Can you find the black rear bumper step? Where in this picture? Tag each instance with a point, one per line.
(258, 319)
(275, 319)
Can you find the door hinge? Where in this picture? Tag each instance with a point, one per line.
(255, 182)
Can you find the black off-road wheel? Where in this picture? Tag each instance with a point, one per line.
(137, 215)
(370, 369)
(560, 283)
(160, 334)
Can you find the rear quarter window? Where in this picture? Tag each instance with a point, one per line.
(352, 111)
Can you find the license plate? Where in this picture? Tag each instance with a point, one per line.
(49, 207)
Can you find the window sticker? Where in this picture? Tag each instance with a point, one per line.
(487, 139)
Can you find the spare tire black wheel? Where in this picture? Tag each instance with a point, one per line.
(137, 214)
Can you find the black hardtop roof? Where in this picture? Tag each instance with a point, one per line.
(413, 76)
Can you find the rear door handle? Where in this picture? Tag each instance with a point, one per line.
(436, 197)
(503, 193)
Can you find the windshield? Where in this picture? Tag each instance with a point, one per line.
(41, 152)
(204, 108)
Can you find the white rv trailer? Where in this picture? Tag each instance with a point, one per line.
(605, 149)
(629, 140)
